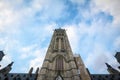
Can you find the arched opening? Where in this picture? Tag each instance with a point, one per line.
(59, 78)
(59, 63)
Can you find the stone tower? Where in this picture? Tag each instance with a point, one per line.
(60, 63)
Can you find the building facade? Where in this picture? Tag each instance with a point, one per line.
(59, 64)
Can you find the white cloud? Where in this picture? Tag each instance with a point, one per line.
(97, 59)
(5, 61)
(72, 32)
(38, 60)
(6, 18)
(15, 14)
(49, 9)
(2, 42)
(27, 51)
(96, 38)
(109, 6)
(117, 43)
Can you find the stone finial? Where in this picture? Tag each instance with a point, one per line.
(6, 69)
(37, 70)
(31, 70)
(111, 70)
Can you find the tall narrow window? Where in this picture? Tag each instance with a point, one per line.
(56, 44)
(59, 63)
(62, 44)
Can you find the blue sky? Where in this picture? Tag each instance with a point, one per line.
(26, 28)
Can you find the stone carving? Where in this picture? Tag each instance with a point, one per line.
(6, 69)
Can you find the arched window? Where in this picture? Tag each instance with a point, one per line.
(56, 44)
(62, 44)
(59, 63)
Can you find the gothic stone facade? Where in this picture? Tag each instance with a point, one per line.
(60, 63)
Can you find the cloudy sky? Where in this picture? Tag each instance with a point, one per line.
(26, 28)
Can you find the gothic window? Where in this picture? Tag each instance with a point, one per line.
(56, 44)
(62, 44)
(59, 63)
(59, 43)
